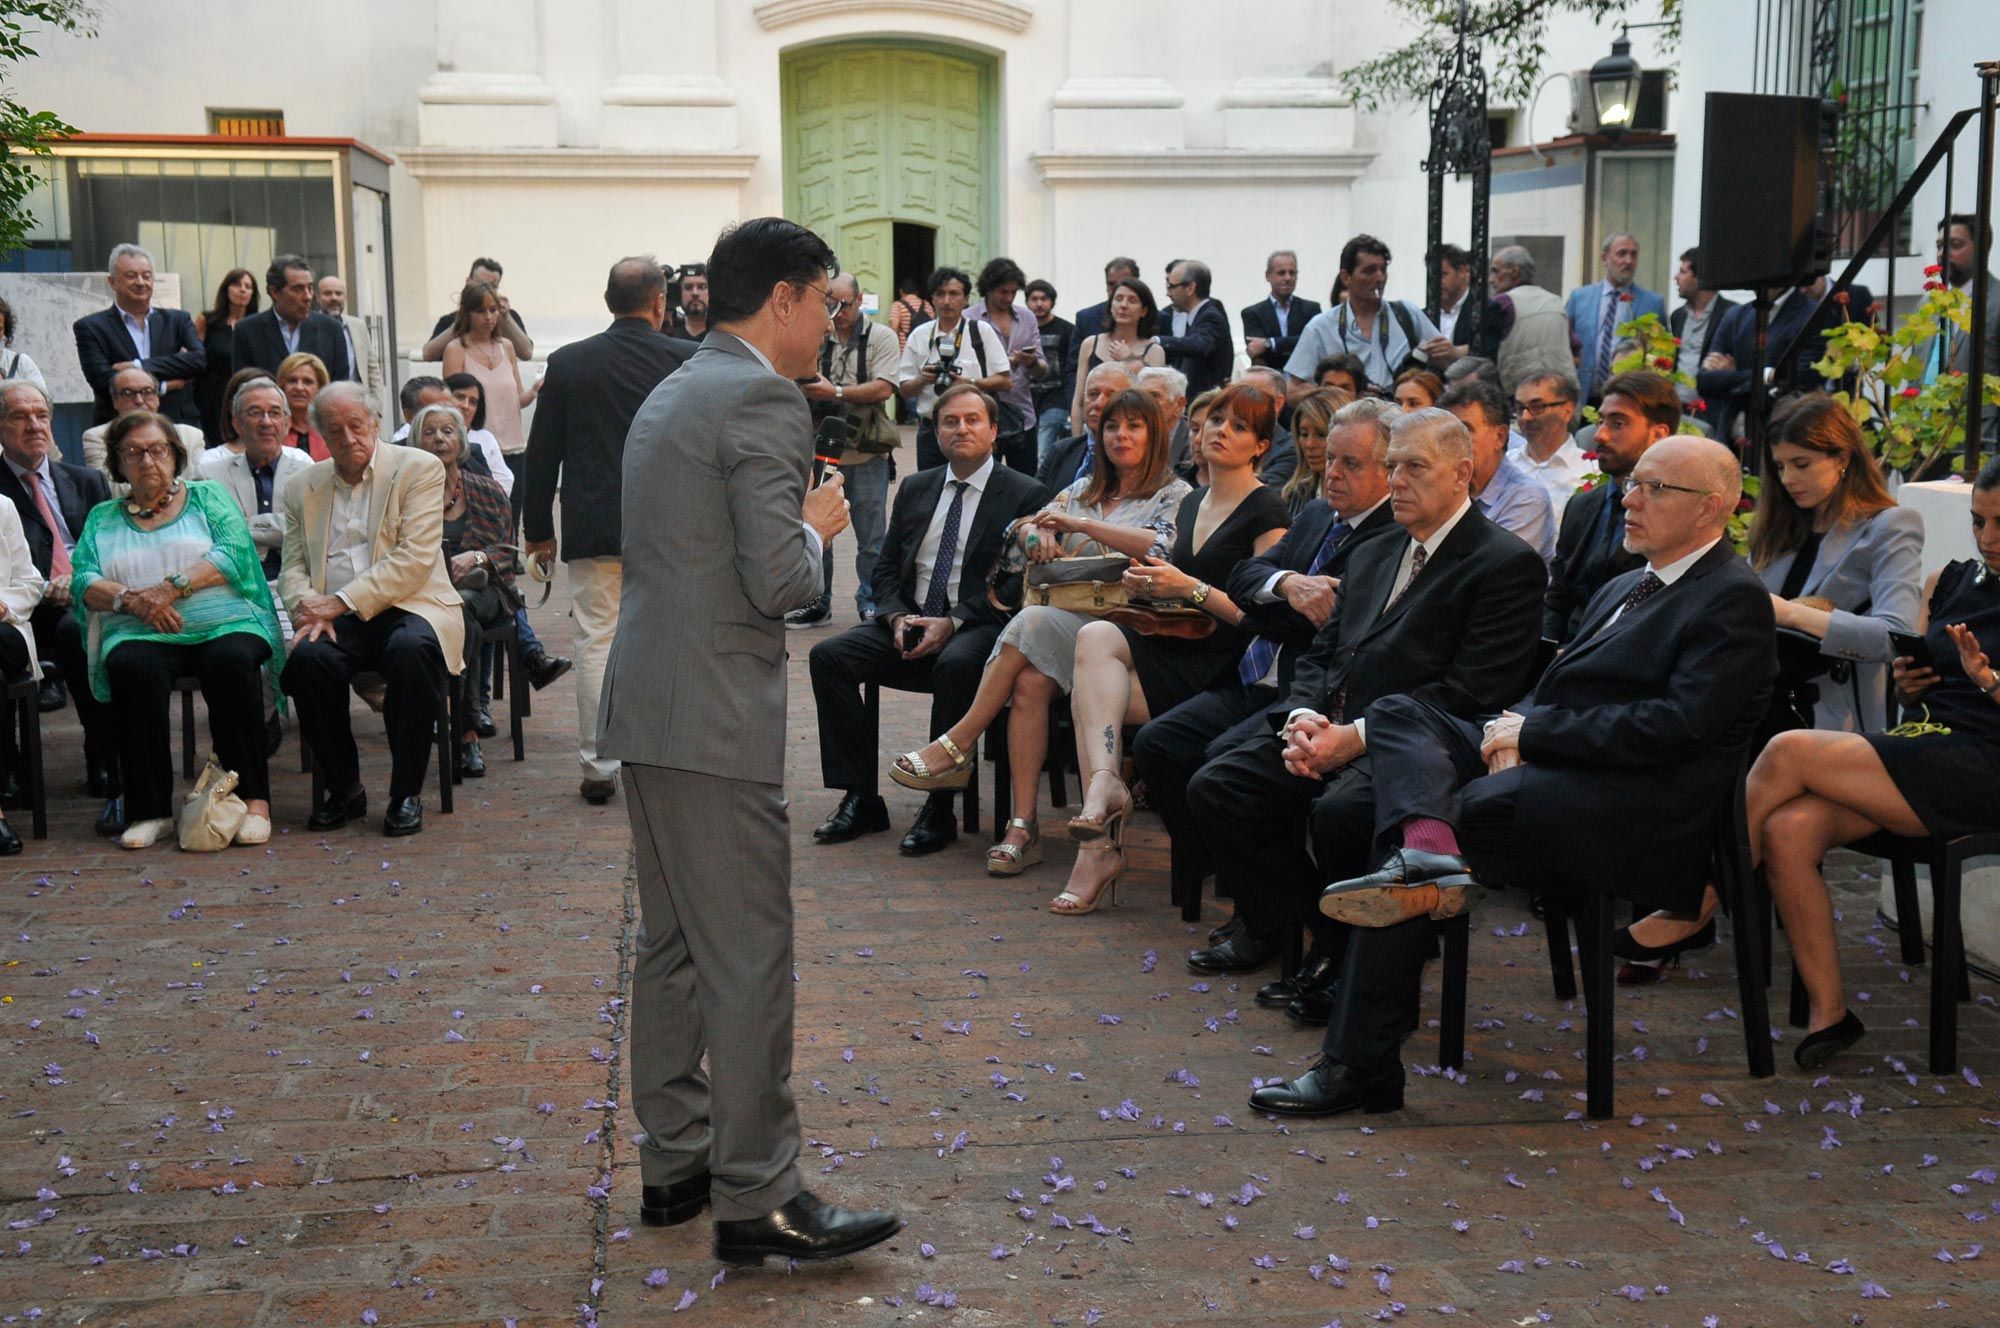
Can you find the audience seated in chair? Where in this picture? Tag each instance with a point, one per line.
(132, 390)
(21, 588)
(365, 581)
(1645, 719)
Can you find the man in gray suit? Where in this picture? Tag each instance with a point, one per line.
(721, 540)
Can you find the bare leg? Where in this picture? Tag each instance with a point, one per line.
(1665, 928)
(1028, 745)
(996, 685)
(1107, 696)
(1797, 838)
(1842, 768)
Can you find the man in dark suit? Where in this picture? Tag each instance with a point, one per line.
(1090, 320)
(589, 394)
(1196, 334)
(1444, 610)
(1963, 247)
(1454, 268)
(1724, 380)
(133, 334)
(1640, 408)
(1696, 320)
(1271, 326)
(930, 579)
(54, 499)
(1287, 594)
(292, 323)
(1069, 460)
(1644, 720)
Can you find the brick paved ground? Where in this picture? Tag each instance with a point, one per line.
(348, 1075)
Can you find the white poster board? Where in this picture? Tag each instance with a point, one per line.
(46, 306)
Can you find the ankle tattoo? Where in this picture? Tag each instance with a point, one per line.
(1110, 739)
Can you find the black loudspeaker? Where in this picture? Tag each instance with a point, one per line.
(1761, 164)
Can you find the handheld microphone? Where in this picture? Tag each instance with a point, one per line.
(833, 435)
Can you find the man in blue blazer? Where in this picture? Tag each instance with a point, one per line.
(1597, 311)
(133, 332)
(292, 323)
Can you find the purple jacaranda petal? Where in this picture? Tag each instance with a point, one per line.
(1874, 1291)
(687, 1300)
(716, 1281)
(370, 1317)
(657, 1278)
(927, 1250)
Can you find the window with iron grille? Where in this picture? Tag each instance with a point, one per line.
(247, 124)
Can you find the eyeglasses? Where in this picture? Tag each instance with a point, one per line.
(157, 452)
(1654, 489)
(833, 303)
(1176, 285)
(259, 413)
(1529, 409)
(135, 393)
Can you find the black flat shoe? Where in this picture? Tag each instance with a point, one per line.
(671, 1205)
(482, 722)
(404, 817)
(1239, 954)
(111, 820)
(1624, 947)
(471, 761)
(1816, 1049)
(805, 1230)
(10, 843)
(935, 827)
(337, 809)
(858, 814)
(1281, 993)
(1330, 1088)
(543, 668)
(51, 696)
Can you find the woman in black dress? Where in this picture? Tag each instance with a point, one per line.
(235, 299)
(1934, 775)
(1123, 677)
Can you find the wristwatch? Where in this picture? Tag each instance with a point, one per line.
(118, 602)
(840, 392)
(179, 581)
(1199, 594)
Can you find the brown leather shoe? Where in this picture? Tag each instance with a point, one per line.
(1385, 906)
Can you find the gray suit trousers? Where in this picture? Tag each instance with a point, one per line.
(713, 975)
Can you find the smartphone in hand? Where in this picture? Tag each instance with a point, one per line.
(1912, 646)
(913, 636)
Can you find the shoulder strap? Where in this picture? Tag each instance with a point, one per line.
(979, 344)
(1405, 321)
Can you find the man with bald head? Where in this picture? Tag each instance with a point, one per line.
(1605, 778)
(1069, 460)
(589, 395)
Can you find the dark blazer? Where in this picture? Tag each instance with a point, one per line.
(590, 393)
(1280, 622)
(1490, 330)
(78, 489)
(1645, 722)
(1679, 317)
(1261, 320)
(1009, 495)
(102, 341)
(1206, 353)
(1464, 638)
(260, 342)
(1727, 391)
(1582, 564)
(1058, 469)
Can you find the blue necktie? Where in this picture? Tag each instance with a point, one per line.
(937, 599)
(1261, 653)
(1089, 454)
(1614, 522)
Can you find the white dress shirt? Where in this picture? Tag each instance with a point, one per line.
(289, 333)
(350, 544)
(1669, 574)
(927, 548)
(1448, 318)
(812, 536)
(135, 328)
(1559, 476)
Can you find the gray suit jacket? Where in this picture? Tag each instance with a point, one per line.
(1872, 571)
(233, 470)
(715, 472)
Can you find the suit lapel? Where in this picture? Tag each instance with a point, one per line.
(1835, 546)
(386, 468)
(122, 334)
(1453, 549)
(923, 487)
(1378, 596)
(982, 520)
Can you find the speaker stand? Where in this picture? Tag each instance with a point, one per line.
(1760, 392)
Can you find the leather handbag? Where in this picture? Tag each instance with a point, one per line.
(1091, 586)
(212, 813)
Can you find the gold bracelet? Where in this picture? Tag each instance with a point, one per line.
(1199, 594)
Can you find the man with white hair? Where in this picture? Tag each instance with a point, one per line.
(133, 334)
(374, 599)
(1168, 389)
(259, 475)
(1534, 329)
(1069, 460)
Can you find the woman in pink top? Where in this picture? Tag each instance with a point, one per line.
(475, 348)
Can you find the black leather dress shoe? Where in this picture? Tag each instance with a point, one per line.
(471, 761)
(1233, 927)
(111, 820)
(671, 1205)
(482, 720)
(1409, 883)
(12, 795)
(51, 696)
(404, 817)
(935, 827)
(10, 843)
(597, 792)
(1313, 1007)
(337, 810)
(543, 668)
(1242, 953)
(1330, 1088)
(804, 1229)
(1281, 993)
(858, 814)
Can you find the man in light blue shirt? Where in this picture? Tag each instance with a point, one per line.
(1506, 494)
(1387, 335)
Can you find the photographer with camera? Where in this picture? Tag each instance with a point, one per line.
(849, 398)
(949, 349)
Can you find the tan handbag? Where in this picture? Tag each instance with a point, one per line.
(1092, 586)
(212, 813)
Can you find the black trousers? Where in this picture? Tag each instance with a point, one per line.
(59, 639)
(401, 647)
(1171, 747)
(13, 664)
(1277, 839)
(867, 653)
(1427, 763)
(929, 454)
(482, 608)
(141, 675)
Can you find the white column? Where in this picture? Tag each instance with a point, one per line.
(488, 90)
(645, 109)
(1113, 95)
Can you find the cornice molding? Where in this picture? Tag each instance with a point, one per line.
(433, 163)
(1203, 164)
(1009, 15)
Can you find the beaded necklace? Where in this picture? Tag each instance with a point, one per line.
(166, 500)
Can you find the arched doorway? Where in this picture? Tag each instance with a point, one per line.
(889, 155)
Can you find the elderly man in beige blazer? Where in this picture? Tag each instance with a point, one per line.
(364, 579)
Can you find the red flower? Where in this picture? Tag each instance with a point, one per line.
(1590, 456)
(1840, 297)
(1662, 362)
(1912, 392)
(1677, 341)
(1933, 270)
(1746, 504)
(1625, 297)
(1586, 486)
(1700, 406)
(1933, 285)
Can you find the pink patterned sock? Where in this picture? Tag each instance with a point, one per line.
(1427, 834)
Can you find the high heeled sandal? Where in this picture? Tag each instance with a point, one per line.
(1005, 859)
(1072, 905)
(1083, 829)
(910, 771)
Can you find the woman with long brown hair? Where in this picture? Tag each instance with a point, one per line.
(236, 298)
(1312, 418)
(478, 348)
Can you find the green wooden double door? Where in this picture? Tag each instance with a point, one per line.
(878, 135)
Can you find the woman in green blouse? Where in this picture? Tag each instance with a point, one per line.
(169, 585)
